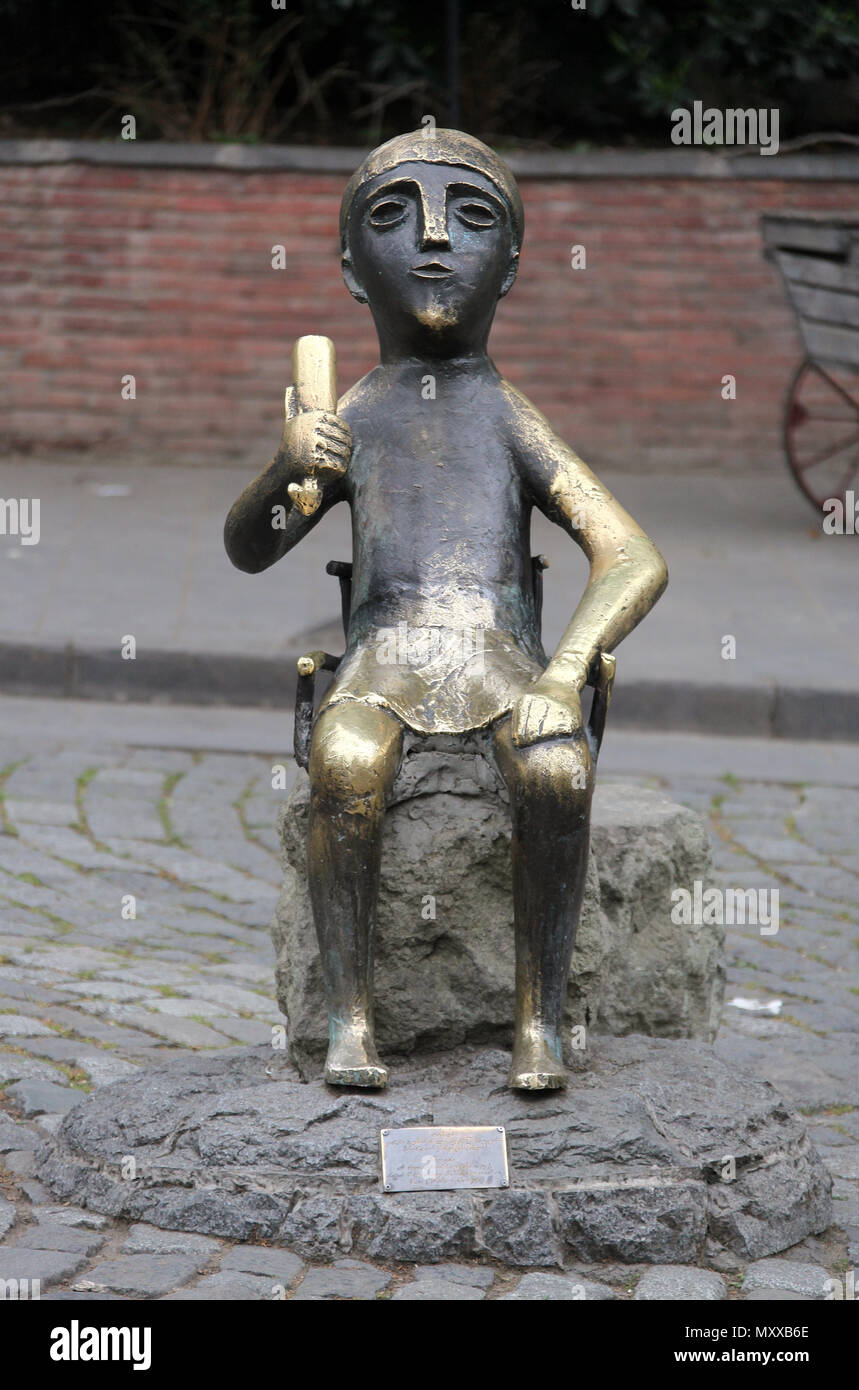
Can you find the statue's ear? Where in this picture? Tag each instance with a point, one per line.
(507, 283)
(352, 284)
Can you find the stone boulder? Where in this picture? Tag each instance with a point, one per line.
(444, 939)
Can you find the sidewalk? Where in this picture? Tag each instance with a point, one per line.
(138, 552)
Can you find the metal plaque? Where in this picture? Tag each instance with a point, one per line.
(443, 1157)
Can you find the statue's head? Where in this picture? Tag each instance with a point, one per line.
(431, 226)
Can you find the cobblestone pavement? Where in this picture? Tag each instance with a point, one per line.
(136, 887)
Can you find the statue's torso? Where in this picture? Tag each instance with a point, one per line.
(440, 526)
(440, 521)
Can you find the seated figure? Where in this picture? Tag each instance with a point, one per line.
(441, 462)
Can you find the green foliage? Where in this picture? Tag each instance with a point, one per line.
(752, 54)
(357, 71)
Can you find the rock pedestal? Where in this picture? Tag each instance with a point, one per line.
(444, 937)
(628, 1165)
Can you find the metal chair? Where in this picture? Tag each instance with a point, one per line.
(600, 677)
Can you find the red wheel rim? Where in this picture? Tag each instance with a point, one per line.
(821, 432)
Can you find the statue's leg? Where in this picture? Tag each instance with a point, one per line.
(550, 786)
(354, 757)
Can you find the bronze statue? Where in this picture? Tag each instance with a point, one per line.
(441, 462)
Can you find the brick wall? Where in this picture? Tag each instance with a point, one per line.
(165, 273)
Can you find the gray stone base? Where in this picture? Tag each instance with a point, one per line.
(444, 936)
(656, 1148)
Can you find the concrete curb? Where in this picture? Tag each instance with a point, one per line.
(223, 678)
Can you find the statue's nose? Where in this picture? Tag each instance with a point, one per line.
(434, 226)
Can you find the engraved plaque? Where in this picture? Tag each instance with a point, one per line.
(443, 1157)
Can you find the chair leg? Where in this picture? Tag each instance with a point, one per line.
(601, 701)
(308, 665)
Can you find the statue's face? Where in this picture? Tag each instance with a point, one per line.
(431, 250)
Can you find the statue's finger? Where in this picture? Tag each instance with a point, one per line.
(334, 441)
(335, 424)
(322, 450)
(331, 452)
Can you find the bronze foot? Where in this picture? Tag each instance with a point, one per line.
(537, 1064)
(353, 1061)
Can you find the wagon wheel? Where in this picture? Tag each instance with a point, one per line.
(821, 432)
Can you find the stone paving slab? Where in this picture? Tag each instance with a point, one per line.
(810, 1280)
(557, 1288)
(145, 1274)
(150, 1240)
(47, 1266)
(344, 1279)
(71, 1216)
(43, 1097)
(672, 1283)
(14, 1068)
(278, 1265)
(438, 1291)
(229, 1286)
(55, 1235)
(765, 1295)
(478, 1275)
(8, 1216)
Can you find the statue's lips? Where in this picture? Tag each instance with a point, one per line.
(431, 270)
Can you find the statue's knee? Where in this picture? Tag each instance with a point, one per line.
(576, 772)
(559, 772)
(353, 760)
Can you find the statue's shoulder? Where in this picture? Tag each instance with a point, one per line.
(525, 424)
(541, 453)
(361, 395)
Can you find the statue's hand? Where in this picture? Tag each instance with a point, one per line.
(547, 712)
(316, 444)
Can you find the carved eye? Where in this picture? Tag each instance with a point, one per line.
(477, 214)
(387, 213)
